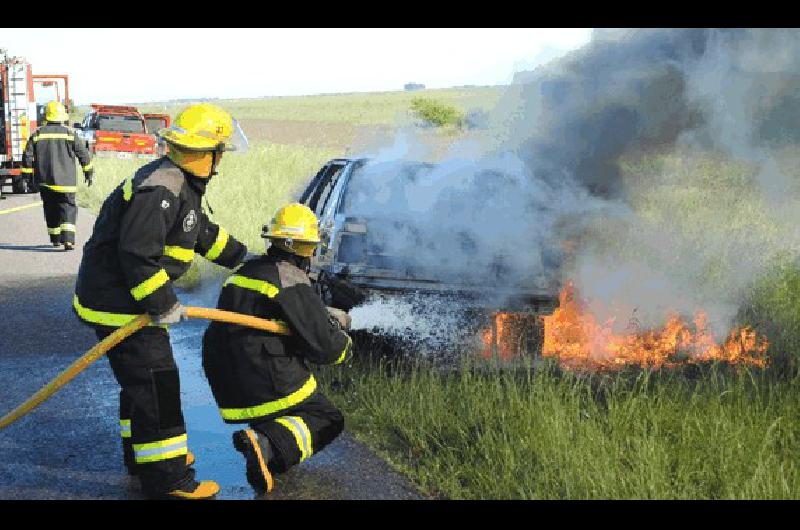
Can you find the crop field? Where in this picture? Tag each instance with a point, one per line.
(720, 434)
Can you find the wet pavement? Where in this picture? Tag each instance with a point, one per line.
(68, 447)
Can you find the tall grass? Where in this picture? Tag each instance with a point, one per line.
(545, 435)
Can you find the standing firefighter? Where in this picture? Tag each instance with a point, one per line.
(145, 237)
(262, 378)
(50, 155)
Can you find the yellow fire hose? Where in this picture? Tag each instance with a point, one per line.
(102, 347)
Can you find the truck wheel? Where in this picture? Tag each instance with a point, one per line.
(23, 185)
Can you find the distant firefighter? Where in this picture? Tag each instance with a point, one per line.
(50, 155)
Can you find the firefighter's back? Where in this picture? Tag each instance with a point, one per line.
(54, 155)
(101, 281)
(246, 365)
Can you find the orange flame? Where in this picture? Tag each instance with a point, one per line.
(503, 334)
(575, 337)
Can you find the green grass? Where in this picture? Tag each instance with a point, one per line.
(545, 435)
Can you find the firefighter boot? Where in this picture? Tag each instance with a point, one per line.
(195, 491)
(131, 467)
(257, 453)
(69, 246)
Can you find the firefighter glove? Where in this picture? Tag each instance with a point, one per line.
(88, 176)
(173, 316)
(344, 294)
(341, 317)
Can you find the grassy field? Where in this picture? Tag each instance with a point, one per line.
(549, 434)
(377, 108)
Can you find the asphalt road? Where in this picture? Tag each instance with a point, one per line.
(68, 447)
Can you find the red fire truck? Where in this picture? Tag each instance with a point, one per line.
(20, 115)
(117, 130)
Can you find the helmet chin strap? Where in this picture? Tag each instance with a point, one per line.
(215, 157)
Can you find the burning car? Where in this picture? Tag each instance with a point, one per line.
(381, 252)
(396, 230)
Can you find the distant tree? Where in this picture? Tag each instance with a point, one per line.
(437, 113)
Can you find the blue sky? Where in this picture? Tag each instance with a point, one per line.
(151, 64)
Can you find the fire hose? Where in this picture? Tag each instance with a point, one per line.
(102, 347)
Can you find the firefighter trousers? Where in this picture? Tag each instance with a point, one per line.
(60, 214)
(301, 431)
(151, 421)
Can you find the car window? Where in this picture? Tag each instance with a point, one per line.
(154, 124)
(319, 196)
(327, 188)
(312, 187)
(131, 124)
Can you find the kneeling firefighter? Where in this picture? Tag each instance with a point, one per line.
(145, 237)
(263, 379)
(50, 156)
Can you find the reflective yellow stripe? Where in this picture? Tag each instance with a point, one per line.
(88, 166)
(162, 456)
(26, 169)
(66, 227)
(301, 433)
(125, 428)
(219, 245)
(149, 286)
(160, 444)
(54, 231)
(53, 136)
(127, 189)
(344, 351)
(160, 450)
(104, 318)
(61, 189)
(271, 407)
(258, 286)
(179, 253)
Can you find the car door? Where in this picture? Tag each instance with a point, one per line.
(321, 198)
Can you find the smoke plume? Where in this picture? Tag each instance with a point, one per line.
(544, 168)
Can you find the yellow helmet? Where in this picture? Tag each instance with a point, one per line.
(205, 127)
(294, 228)
(55, 111)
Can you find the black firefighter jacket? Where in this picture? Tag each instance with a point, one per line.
(50, 155)
(255, 374)
(145, 237)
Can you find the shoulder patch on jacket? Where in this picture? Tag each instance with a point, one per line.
(290, 275)
(166, 174)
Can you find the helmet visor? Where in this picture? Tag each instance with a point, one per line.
(238, 141)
